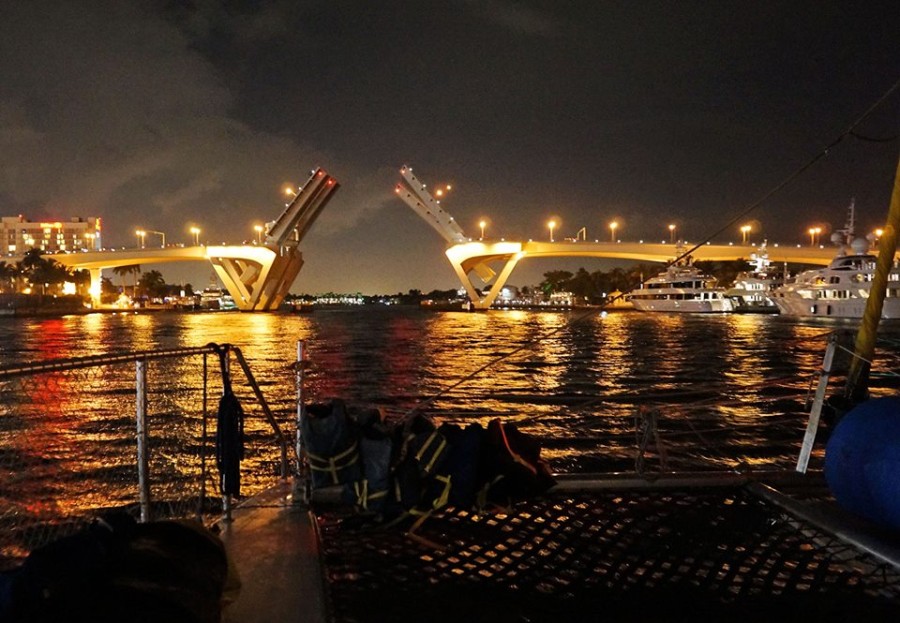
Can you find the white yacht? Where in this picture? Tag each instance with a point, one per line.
(752, 290)
(681, 288)
(842, 289)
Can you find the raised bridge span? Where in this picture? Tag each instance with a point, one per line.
(257, 276)
(494, 260)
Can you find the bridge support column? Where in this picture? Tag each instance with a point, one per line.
(260, 282)
(95, 289)
(462, 271)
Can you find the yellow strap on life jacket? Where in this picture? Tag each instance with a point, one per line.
(441, 500)
(333, 464)
(363, 496)
(435, 435)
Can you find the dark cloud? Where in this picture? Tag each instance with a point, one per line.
(167, 114)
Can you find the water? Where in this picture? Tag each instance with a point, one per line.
(730, 390)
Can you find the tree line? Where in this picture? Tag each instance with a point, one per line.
(40, 275)
(37, 274)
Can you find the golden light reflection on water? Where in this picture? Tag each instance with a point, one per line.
(726, 381)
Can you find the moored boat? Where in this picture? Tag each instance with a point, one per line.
(752, 290)
(842, 289)
(681, 288)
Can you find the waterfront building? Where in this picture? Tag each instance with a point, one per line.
(19, 235)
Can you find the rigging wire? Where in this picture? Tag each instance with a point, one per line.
(743, 214)
(872, 139)
(797, 173)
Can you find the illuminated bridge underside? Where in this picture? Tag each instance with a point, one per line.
(477, 256)
(257, 277)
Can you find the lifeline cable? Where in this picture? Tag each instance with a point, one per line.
(753, 206)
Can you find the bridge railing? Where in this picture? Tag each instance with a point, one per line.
(132, 432)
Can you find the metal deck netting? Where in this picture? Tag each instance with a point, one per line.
(645, 556)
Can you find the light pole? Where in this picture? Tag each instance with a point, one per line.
(482, 224)
(551, 225)
(672, 233)
(141, 234)
(152, 231)
(612, 230)
(745, 233)
(195, 231)
(259, 229)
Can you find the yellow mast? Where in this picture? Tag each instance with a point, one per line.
(857, 378)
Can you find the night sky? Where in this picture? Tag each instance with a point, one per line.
(164, 115)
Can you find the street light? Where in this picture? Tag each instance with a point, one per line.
(551, 224)
(196, 233)
(814, 235)
(482, 224)
(141, 234)
(163, 235)
(672, 233)
(259, 229)
(745, 233)
(612, 230)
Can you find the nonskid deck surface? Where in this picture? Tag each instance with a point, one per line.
(682, 555)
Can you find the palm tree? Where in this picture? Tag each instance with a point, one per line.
(8, 274)
(134, 270)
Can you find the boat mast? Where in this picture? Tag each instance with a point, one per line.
(864, 350)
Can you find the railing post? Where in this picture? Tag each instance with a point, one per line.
(204, 434)
(226, 372)
(143, 460)
(816, 411)
(301, 479)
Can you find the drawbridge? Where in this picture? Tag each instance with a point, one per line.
(258, 277)
(493, 261)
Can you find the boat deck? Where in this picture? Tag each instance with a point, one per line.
(626, 548)
(272, 542)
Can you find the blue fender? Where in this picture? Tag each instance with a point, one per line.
(862, 461)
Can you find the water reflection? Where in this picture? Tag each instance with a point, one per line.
(730, 389)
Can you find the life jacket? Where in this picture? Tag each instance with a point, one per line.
(370, 492)
(419, 451)
(511, 465)
(331, 443)
(461, 464)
